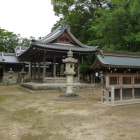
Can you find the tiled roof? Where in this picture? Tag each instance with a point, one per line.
(50, 43)
(8, 58)
(24, 48)
(119, 61)
(56, 33)
(66, 47)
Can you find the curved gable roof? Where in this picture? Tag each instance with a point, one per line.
(61, 40)
(57, 33)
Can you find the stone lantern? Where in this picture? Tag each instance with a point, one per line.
(69, 72)
(10, 73)
(10, 78)
(22, 73)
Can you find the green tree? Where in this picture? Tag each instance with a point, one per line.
(9, 40)
(118, 27)
(79, 14)
(85, 70)
(25, 42)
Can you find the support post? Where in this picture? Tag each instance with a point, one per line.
(59, 68)
(133, 83)
(34, 70)
(78, 69)
(44, 66)
(112, 95)
(121, 94)
(54, 68)
(29, 70)
(133, 94)
(38, 70)
(102, 94)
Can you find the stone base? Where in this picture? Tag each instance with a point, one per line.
(60, 87)
(69, 97)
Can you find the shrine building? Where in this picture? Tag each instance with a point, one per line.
(120, 76)
(42, 61)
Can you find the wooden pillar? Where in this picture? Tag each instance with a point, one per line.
(102, 94)
(59, 68)
(54, 68)
(38, 70)
(78, 69)
(29, 70)
(34, 70)
(133, 94)
(44, 66)
(133, 82)
(112, 95)
(121, 91)
(107, 80)
(121, 94)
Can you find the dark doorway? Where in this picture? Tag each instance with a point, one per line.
(1, 72)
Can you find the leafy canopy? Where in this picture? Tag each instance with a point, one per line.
(9, 40)
(79, 14)
(118, 27)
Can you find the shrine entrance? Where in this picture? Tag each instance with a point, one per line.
(50, 70)
(1, 72)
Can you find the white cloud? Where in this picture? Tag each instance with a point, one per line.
(27, 17)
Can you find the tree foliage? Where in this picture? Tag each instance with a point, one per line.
(79, 14)
(118, 27)
(9, 40)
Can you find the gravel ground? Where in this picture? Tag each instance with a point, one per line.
(37, 116)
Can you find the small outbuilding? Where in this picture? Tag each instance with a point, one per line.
(121, 76)
(10, 60)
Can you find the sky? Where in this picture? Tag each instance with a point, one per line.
(27, 17)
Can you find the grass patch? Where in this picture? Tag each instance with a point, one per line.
(31, 136)
(3, 98)
(38, 125)
(24, 115)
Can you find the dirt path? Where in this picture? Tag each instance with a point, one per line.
(37, 116)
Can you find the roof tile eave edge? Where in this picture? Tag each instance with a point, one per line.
(78, 42)
(75, 39)
(118, 66)
(26, 50)
(119, 53)
(87, 50)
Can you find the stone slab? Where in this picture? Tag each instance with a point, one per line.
(61, 87)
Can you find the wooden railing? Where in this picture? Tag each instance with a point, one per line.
(107, 95)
